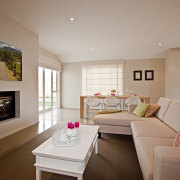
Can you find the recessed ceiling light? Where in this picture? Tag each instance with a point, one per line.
(71, 19)
(159, 44)
(92, 49)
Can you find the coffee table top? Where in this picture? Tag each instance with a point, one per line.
(73, 153)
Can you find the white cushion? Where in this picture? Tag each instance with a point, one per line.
(172, 116)
(152, 129)
(164, 104)
(120, 119)
(145, 150)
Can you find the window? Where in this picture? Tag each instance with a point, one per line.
(102, 77)
(48, 88)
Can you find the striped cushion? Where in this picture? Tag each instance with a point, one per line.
(152, 109)
(177, 140)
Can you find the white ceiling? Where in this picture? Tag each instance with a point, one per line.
(115, 29)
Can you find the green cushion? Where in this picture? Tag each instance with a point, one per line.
(141, 109)
(108, 111)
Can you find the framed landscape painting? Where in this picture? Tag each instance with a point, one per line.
(10, 62)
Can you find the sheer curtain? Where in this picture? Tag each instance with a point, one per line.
(102, 76)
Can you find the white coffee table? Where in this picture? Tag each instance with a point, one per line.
(71, 160)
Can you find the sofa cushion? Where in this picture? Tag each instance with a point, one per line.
(152, 110)
(152, 129)
(177, 140)
(141, 109)
(166, 163)
(108, 111)
(132, 107)
(145, 151)
(172, 116)
(120, 119)
(164, 103)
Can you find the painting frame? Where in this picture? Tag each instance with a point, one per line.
(10, 62)
(149, 75)
(137, 75)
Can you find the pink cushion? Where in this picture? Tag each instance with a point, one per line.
(177, 140)
(152, 110)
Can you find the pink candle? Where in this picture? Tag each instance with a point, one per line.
(76, 124)
(72, 126)
(69, 124)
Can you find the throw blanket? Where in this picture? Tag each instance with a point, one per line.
(108, 111)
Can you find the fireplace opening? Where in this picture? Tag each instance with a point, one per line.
(8, 104)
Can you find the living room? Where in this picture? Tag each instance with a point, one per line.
(63, 36)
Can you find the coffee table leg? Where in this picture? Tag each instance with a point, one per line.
(38, 174)
(96, 147)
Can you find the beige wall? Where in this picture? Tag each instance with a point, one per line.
(154, 89)
(71, 80)
(16, 35)
(71, 85)
(172, 77)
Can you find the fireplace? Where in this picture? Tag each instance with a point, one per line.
(9, 104)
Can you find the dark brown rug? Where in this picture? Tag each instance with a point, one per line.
(117, 160)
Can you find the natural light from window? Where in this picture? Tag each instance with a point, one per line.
(48, 88)
(102, 77)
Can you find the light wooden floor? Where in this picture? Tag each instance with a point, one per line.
(46, 120)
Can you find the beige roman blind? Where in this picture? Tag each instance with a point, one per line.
(102, 76)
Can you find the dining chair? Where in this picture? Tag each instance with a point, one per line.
(131, 100)
(91, 103)
(111, 102)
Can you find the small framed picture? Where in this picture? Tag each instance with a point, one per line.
(137, 75)
(149, 75)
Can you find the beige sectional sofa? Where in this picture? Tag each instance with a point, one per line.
(153, 138)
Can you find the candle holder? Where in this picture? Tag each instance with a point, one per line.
(69, 124)
(76, 124)
(72, 126)
(66, 136)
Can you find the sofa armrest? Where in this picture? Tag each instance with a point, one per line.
(132, 107)
(166, 163)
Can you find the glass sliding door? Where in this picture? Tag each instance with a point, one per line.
(48, 94)
(55, 88)
(40, 88)
(48, 89)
